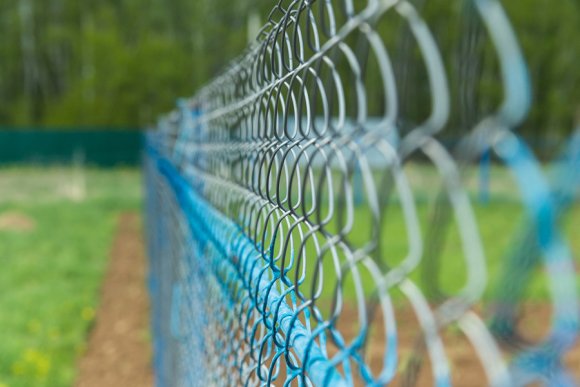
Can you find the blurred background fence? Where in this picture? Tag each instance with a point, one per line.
(91, 146)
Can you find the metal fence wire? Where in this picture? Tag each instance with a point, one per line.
(275, 196)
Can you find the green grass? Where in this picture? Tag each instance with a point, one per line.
(50, 275)
(498, 223)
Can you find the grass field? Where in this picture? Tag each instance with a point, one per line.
(499, 224)
(56, 228)
(54, 246)
(499, 221)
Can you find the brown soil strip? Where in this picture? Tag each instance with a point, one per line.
(464, 361)
(118, 352)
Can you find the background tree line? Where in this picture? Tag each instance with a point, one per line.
(110, 62)
(123, 62)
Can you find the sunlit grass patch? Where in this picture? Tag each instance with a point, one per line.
(50, 272)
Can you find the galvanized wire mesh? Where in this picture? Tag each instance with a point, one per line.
(269, 194)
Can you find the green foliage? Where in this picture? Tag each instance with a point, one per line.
(552, 48)
(547, 32)
(122, 63)
(111, 63)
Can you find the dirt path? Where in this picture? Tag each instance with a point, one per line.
(118, 352)
(464, 361)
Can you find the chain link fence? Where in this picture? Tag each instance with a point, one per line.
(289, 242)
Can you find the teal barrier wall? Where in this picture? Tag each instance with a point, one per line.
(103, 148)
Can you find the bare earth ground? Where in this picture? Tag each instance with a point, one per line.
(465, 364)
(118, 352)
